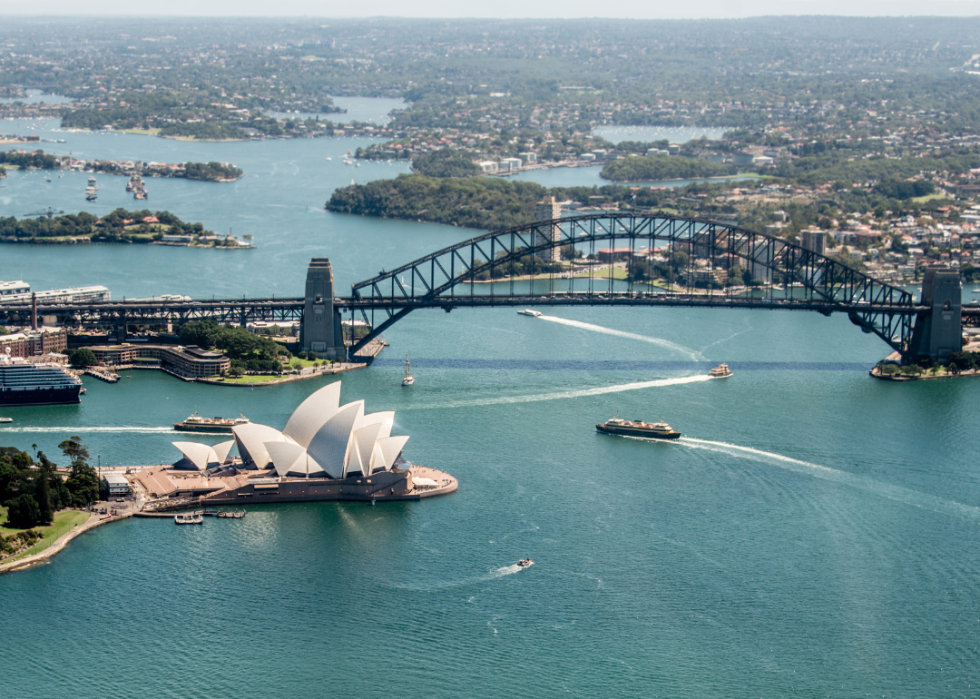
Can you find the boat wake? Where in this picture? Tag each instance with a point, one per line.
(452, 584)
(667, 344)
(83, 429)
(892, 492)
(580, 393)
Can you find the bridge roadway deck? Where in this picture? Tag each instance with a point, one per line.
(238, 310)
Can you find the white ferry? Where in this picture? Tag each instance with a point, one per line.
(720, 372)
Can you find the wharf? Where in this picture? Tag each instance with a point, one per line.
(103, 374)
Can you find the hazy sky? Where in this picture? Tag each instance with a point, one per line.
(638, 9)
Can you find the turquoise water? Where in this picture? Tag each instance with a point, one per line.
(815, 534)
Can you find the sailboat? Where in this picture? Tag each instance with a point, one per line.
(408, 379)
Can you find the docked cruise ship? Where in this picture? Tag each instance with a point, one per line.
(22, 383)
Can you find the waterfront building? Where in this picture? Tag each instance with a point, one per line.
(189, 362)
(323, 438)
(29, 342)
(117, 484)
(326, 451)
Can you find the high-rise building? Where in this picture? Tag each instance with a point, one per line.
(548, 210)
(814, 241)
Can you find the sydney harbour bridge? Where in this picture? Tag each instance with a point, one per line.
(480, 273)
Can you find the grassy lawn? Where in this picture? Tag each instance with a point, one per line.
(142, 132)
(261, 378)
(307, 362)
(929, 197)
(63, 522)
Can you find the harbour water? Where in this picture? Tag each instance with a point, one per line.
(815, 532)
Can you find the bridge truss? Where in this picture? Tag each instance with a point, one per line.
(644, 268)
(480, 272)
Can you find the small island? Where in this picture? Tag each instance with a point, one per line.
(120, 226)
(39, 160)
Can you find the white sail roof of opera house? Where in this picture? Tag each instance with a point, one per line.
(251, 440)
(321, 438)
(204, 455)
(289, 458)
(312, 414)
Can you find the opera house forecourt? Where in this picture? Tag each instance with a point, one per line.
(326, 451)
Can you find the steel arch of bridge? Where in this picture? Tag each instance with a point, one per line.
(794, 277)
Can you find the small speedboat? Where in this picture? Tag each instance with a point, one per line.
(529, 312)
(4, 420)
(525, 563)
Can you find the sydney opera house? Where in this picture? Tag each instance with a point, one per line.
(326, 451)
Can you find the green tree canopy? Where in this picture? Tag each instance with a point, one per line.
(82, 357)
(23, 511)
(445, 163)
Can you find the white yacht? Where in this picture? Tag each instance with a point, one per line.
(529, 312)
(408, 379)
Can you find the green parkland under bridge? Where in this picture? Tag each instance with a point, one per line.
(480, 272)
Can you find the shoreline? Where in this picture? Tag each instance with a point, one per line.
(876, 373)
(88, 241)
(60, 543)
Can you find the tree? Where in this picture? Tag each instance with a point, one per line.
(75, 450)
(83, 485)
(23, 512)
(202, 333)
(42, 494)
(82, 358)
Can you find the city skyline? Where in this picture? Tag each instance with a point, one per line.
(508, 9)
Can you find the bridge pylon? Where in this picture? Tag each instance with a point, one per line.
(939, 330)
(321, 329)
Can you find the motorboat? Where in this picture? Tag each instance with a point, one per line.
(191, 518)
(525, 563)
(5, 420)
(638, 428)
(224, 514)
(408, 379)
(720, 372)
(529, 312)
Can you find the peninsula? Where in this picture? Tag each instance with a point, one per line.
(39, 160)
(120, 226)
